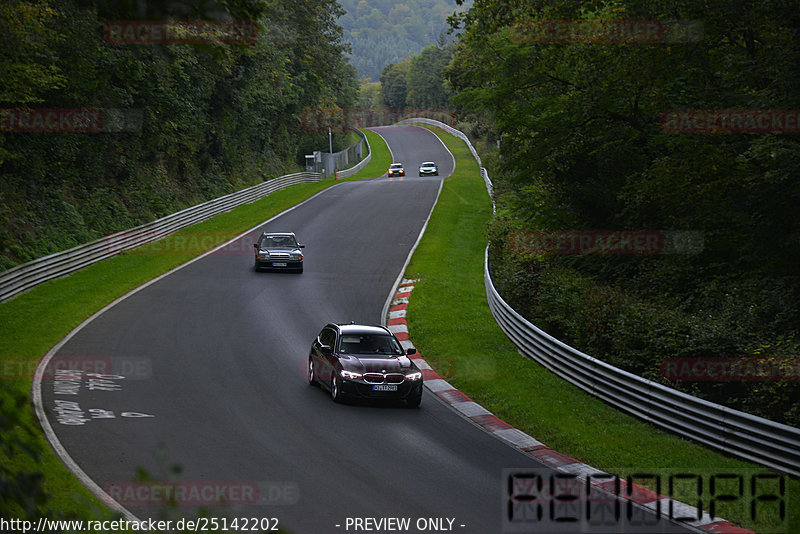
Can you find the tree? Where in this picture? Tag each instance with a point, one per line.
(426, 85)
(212, 118)
(583, 147)
(393, 85)
(369, 95)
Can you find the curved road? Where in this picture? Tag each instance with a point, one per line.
(214, 362)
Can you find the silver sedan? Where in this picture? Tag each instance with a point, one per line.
(278, 251)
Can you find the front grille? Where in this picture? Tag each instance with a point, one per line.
(279, 255)
(380, 378)
(373, 378)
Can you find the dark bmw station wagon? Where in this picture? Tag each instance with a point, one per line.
(366, 362)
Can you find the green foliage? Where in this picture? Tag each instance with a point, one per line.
(582, 148)
(21, 490)
(453, 328)
(369, 95)
(394, 88)
(638, 335)
(29, 66)
(209, 119)
(425, 82)
(418, 82)
(384, 31)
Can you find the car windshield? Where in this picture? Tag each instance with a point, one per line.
(374, 344)
(396, 165)
(428, 164)
(278, 241)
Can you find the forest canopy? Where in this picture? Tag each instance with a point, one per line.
(384, 31)
(585, 147)
(185, 120)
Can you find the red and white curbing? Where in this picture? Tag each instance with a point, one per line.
(494, 425)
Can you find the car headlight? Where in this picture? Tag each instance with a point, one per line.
(263, 255)
(349, 375)
(414, 376)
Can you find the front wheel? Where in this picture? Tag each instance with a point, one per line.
(336, 393)
(312, 375)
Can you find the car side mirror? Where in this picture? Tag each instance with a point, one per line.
(411, 351)
(255, 246)
(301, 246)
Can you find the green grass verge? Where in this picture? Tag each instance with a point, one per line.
(452, 326)
(381, 157)
(33, 322)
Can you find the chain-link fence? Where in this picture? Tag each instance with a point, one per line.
(326, 163)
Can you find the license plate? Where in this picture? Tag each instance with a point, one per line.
(385, 387)
(276, 264)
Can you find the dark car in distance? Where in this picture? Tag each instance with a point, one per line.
(428, 168)
(396, 169)
(278, 251)
(363, 362)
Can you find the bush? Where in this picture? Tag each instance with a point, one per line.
(635, 334)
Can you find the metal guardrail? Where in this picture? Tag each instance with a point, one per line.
(463, 137)
(737, 433)
(449, 129)
(28, 275)
(360, 165)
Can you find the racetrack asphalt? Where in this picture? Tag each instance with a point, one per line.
(221, 353)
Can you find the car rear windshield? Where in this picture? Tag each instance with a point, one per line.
(374, 344)
(278, 241)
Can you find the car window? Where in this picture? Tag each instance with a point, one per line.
(278, 241)
(373, 344)
(327, 337)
